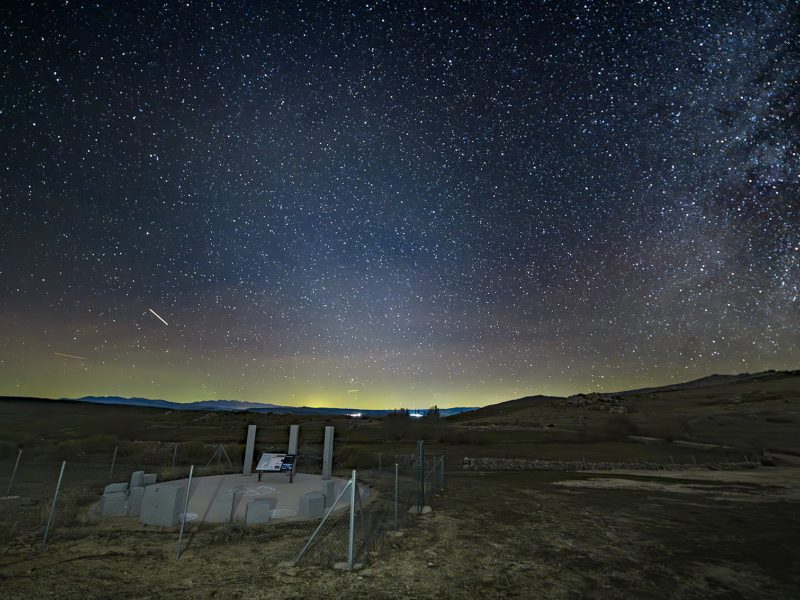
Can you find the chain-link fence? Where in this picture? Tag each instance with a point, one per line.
(44, 505)
(396, 494)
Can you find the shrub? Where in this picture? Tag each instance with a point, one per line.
(670, 430)
(619, 427)
(8, 449)
(101, 442)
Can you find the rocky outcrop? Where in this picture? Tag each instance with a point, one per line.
(595, 401)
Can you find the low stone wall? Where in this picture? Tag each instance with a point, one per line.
(525, 464)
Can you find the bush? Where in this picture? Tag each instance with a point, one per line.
(454, 435)
(670, 430)
(101, 442)
(397, 426)
(353, 458)
(8, 449)
(619, 427)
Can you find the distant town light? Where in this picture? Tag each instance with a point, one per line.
(415, 415)
(354, 415)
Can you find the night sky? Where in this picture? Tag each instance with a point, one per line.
(380, 204)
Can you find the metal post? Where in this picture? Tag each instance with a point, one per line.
(420, 476)
(53, 507)
(14, 472)
(379, 462)
(351, 537)
(183, 516)
(442, 471)
(396, 491)
(174, 453)
(113, 462)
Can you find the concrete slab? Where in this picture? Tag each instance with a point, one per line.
(162, 504)
(212, 498)
(312, 504)
(115, 487)
(137, 479)
(135, 498)
(149, 479)
(258, 511)
(114, 504)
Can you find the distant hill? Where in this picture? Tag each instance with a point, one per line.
(708, 381)
(239, 406)
(516, 408)
(504, 408)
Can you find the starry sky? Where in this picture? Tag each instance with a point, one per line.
(382, 204)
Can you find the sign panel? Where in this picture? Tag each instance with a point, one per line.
(275, 463)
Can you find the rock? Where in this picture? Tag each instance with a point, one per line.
(397, 534)
(342, 566)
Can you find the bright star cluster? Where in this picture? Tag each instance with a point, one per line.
(390, 203)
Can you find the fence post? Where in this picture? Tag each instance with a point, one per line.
(420, 476)
(443, 471)
(183, 516)
(174, 453)
(14, 473)
(113, 461)
(396, 491)
(352, 532)
(380, 457)
(53, 507)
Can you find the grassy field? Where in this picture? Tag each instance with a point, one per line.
(509, 535)
(623, 534)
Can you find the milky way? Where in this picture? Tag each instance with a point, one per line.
(384, 204)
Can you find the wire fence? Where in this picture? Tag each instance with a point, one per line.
(49, 501)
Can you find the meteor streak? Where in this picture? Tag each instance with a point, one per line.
(70, 356)
(158, 316)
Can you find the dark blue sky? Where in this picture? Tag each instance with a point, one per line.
(391, 203)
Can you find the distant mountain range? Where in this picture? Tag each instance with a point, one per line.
(239, 406)
(501, 408)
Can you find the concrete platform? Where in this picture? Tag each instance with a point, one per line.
(215, 498)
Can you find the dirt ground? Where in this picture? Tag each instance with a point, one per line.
(493, 535)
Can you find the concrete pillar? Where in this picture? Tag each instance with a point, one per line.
(327, 453)
(294, 434)
(249, 449)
